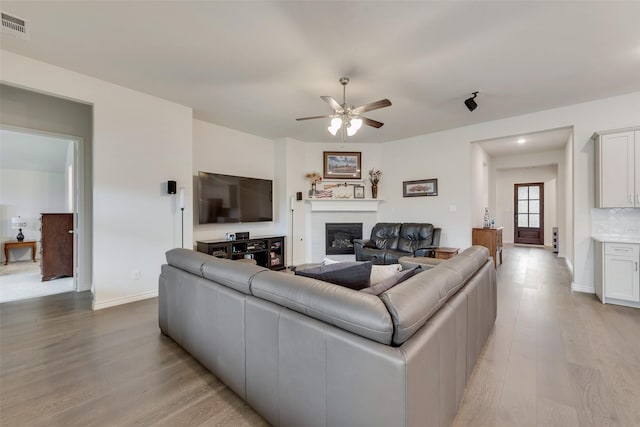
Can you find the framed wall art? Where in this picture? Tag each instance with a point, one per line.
(358, 191)
(421, 187)
(342, 165)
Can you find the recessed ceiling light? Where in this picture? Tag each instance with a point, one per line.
(522, 141)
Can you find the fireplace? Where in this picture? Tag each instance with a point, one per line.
(339, 237)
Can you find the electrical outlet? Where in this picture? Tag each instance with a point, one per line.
(453, 208)
(135, 274)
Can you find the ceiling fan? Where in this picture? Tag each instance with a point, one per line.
(346, 117)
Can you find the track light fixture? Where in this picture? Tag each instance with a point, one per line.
(470, 103)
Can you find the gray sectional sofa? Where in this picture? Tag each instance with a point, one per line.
(303, 352)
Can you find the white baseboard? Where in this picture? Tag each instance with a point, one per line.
(582, 288)
(569, 265)
(124, 300)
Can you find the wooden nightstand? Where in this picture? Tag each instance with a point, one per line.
(446, 253)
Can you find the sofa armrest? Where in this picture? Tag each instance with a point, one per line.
(358, 244)
(364, 243)
(425, 251)
(436, 237)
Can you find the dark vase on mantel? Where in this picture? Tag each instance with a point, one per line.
(20, 236)
(374, 191)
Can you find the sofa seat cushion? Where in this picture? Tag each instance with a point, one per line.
(354, 275)
(353, 311)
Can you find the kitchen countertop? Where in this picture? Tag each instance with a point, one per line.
(616, 239)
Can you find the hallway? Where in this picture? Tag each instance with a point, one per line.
(555, 358)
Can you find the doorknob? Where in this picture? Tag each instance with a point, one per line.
(70, 231)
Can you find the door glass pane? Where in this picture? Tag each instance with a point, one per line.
(534, 221)
(523, 193)
(534, 206)
(534, 192)
(523, 207)
(523, 220)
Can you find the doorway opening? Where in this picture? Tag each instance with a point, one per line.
(40, 174)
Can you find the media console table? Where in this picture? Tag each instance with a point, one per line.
(268, 251)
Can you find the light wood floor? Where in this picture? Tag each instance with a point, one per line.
(554, 359)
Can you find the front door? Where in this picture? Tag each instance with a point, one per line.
(529, 213)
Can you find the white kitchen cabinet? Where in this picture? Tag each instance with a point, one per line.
(618, 275)
(618, 169)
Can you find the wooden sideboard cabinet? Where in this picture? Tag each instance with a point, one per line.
(56, 245)
(490, 238)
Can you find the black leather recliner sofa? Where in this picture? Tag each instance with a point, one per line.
(391, 241)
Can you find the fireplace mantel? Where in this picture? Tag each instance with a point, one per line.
(344, 205)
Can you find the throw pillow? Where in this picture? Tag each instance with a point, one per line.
(381, 272)
(390, 282)
(354, 275)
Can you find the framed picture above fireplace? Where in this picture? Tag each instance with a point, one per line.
(342, 165)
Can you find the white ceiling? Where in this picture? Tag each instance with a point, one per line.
(550, 140)
(25, 151)
(257, 65)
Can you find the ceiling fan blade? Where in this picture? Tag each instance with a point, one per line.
(372, 106)
(332, 102)
(314, 117)
(372, 123)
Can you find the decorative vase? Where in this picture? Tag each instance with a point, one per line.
(313, 189)
(374, 191)
(486, 220)
(20, 236)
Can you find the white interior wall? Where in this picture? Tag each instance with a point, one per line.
(139, 142)
(481, 179)
(69, 190)
(27, 194)
(217, 149)
(505, 181)
(566, 242)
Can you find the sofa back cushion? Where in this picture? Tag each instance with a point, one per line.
(414, 236)
(233, 274)
(414, 301)
(353, 311)
(385, 235)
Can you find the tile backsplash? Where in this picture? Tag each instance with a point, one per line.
(615, 222)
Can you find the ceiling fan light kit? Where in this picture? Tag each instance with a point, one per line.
(346, 117)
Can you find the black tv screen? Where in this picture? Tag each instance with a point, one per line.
(230, 199)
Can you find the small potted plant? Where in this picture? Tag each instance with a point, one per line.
(314, 178)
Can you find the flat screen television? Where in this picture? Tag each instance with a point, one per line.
(231, 199)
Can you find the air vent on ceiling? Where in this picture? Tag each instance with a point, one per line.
(16, 26)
